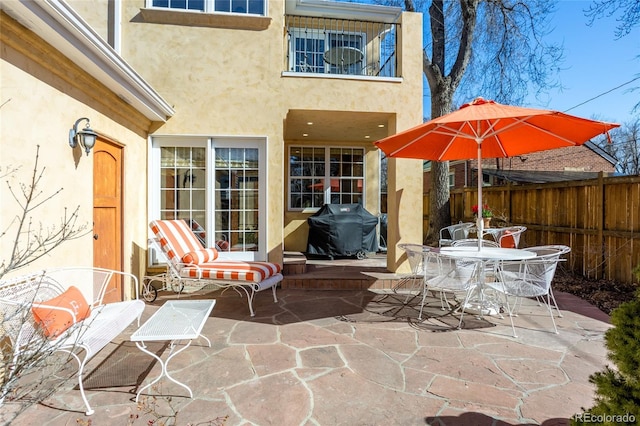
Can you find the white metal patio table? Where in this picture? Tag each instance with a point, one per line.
(175, 320)
(479, 304)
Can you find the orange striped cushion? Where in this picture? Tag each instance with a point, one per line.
(233, 270)
(176, 238)
(200, 256)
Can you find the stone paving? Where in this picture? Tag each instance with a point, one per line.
(315, 359)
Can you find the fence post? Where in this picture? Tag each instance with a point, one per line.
(600, 224)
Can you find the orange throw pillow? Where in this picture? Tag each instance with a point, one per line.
(55, 316)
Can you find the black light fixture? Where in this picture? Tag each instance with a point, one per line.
(85, 137)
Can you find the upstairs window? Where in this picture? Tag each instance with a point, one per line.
(249, 7)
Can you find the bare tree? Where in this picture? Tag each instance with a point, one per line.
(35, 375)
(627, 13)
(489, 48)
(624, 146)
(33, 240)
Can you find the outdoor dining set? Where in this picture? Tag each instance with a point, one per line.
(484, 276)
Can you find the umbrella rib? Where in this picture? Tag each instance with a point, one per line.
(450, 132)
(555, 135)
(523, 121)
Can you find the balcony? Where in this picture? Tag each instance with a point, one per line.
(341, 47)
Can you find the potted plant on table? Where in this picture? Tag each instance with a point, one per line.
(486, 213)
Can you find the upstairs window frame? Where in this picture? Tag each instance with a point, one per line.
(237, 7)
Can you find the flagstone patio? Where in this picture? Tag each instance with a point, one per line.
(352, 357)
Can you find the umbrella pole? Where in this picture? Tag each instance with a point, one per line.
(479, 220)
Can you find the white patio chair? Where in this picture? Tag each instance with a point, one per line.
(448, 275)
(415, 254)
(510, 236)
(458, 231)
(530, 278)
(552, 251)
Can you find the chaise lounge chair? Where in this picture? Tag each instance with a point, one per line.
(188, 261)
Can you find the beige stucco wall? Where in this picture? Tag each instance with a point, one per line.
(229, 82)
(97, 13)
(42, 95)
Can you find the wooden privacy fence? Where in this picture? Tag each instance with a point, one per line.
(598, 218)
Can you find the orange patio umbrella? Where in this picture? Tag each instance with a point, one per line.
(486, 129)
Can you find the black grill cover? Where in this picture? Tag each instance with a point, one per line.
(342, 230)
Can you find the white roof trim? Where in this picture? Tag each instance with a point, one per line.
(59, 25)
(343, 10)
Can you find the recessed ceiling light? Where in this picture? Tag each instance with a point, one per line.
(305, 134)
(381, 125)
(367, 137)
(310, 123)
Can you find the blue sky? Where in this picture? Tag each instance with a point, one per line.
(595, 63)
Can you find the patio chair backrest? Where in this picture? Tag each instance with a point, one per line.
(415, 254)
(510, 238)
(527, 278)
(473, 242)
(550, 252)
(176, 239)
(455, 274)
(451, 233)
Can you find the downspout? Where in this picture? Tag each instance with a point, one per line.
(116, 42)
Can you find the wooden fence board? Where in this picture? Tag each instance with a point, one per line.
(598, 218)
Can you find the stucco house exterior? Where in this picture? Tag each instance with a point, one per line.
(241, 117)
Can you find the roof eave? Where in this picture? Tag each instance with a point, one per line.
(57, 23)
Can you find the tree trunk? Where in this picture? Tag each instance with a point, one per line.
(439, 209)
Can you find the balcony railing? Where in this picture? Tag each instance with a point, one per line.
(342, 47)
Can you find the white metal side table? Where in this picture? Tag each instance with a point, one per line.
(175, 320)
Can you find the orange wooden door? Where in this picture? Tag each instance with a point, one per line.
(107, 212)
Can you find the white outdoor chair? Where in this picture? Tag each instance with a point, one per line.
(458, 231)
(448, 275)
(415, 254)
(530, 278)
(510, 236)
(554, 251)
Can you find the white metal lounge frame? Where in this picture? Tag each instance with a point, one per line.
(179, 273)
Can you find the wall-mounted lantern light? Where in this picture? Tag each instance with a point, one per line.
(85, 137)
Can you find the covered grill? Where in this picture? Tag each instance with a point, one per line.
(342, 230)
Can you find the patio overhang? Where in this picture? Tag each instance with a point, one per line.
(337, 126)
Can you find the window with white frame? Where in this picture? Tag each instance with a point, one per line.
(251, 7)
(309, 47)
(322, 175)
(214, 186)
